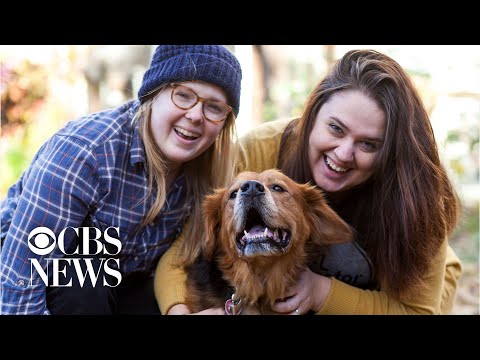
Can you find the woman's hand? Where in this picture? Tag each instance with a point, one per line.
(309, 293)
(182, 309)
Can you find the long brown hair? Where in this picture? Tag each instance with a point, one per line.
(212, 169)
(408, 207)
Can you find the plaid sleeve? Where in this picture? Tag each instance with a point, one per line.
(57, 191)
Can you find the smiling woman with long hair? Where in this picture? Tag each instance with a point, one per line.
(141, 168)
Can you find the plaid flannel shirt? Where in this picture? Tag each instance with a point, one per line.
(90, 173)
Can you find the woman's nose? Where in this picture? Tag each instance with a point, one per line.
(345, 151)
(195, 114)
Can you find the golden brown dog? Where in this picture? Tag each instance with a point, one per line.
(259, 235)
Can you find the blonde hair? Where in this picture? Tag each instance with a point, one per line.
(213, 168)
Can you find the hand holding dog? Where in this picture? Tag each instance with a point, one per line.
(309, 293)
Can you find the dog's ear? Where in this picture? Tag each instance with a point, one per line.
(212, 214)
(327, 227)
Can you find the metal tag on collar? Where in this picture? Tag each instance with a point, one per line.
(232, 306)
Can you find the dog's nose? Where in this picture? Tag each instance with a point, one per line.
(252, 188)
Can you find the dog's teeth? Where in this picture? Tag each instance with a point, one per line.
(265, 233)
(246, 233)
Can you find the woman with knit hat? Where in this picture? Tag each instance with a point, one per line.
(85, 225)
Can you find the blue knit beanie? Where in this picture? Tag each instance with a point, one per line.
(210, 63)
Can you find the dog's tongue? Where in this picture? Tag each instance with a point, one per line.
(259, 229)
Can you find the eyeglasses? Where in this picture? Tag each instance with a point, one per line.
(185, 99)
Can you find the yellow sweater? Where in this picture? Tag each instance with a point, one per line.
(260, 152)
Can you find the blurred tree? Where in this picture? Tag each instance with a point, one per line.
(329, 51)
(110, 72)
(23, 90)
(23, 93)
(262, 99)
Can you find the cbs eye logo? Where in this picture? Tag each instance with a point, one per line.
(39, 244)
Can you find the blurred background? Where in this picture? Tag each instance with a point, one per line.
(43, 87)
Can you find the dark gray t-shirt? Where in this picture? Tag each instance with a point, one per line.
(348, 263)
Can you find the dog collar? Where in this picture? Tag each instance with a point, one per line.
(233, 305)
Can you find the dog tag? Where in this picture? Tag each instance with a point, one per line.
(229, 307)
(232, 306)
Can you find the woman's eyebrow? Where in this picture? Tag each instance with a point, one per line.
(372, 139)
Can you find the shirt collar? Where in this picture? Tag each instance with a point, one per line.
(137, 150)
(179, 181)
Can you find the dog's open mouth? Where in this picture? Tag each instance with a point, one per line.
(260, 239)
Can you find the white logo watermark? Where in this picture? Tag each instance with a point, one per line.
(40, 245)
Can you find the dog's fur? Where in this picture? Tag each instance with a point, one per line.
(259, 269)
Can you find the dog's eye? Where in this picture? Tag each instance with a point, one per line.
(278, 188)
(233, 194)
